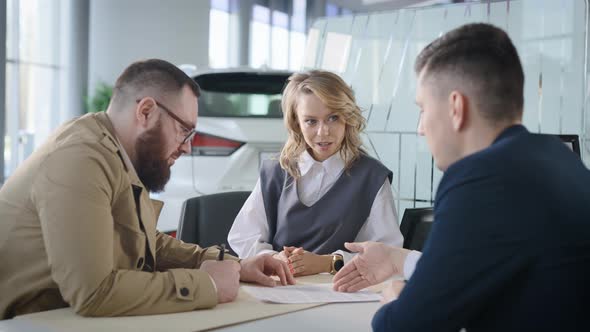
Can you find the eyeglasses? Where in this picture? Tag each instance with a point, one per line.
(189, 132)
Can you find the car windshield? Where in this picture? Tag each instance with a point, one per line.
(256, 95)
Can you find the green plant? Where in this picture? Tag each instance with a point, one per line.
(101, 98)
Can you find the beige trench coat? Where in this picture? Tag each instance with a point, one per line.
(77, 228)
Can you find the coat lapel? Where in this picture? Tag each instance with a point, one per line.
(144, 206)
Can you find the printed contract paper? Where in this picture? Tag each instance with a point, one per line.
(317, 293)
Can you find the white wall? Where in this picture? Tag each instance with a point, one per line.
(123, 31)
(377, 52)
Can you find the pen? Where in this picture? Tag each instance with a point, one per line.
(221, 252)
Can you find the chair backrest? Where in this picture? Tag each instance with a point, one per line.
(415, 227)
(206, 220)
(572, 142)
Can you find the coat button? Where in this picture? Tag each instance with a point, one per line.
(184, 291)
(140, 263)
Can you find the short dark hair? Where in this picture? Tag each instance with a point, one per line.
(156, 74)
(483, 56)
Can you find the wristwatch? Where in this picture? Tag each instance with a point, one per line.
(337, 264)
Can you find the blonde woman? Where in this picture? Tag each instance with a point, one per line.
(324, 191)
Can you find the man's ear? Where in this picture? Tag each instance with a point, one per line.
(145, 111)
(458, 110)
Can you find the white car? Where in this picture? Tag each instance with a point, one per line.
(239, 124)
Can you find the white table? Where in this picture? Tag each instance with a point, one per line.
(340, 317)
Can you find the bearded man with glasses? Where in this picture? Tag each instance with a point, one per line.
(77, 226)
(152, 168)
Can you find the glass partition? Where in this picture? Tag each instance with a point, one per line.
(375, 54)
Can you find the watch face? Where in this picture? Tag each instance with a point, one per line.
(338, 264)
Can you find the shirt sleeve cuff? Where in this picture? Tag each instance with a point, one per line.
(213, 282)
(410, 263)
(267, 251)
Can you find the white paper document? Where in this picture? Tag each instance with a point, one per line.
(318, 293)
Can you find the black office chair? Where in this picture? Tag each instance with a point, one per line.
(206, 220)
(415, 227)
(572, 142)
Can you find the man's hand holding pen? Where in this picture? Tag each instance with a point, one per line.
(227, 274)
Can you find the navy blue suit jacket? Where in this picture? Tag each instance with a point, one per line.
(509, 249)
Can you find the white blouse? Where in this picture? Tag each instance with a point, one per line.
(249, 234)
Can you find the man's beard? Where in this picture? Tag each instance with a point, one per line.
(152, 164)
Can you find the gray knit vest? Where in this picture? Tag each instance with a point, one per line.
(335, 218)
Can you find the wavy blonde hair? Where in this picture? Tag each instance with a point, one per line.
(338, 97)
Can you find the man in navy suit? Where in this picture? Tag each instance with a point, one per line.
(510, 245)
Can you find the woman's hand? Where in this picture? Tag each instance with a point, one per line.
(306, 263)
(284, 256)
